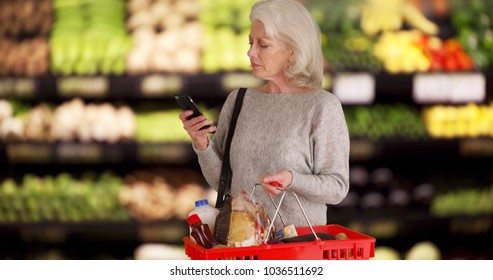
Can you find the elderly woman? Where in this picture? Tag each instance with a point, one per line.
(289, 129)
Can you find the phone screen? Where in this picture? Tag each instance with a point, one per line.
(186, 103)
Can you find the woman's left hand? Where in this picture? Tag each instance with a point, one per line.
(284, 177)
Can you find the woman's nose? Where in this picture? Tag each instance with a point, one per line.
(251, 51)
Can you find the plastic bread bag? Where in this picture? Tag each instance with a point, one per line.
(241, 222)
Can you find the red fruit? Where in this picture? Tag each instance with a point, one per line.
(452, 45)
(450, 64)
(464, 61)
(436, 65)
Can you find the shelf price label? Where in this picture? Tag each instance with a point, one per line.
(29, 153)
(354, 88)
(362, 149)
(449, 88)
(17, 87)
(159, 85)
(231, 81)
(92, 87)
(476, 147)
(79, 153)
(169, 232)
(163, 153)
(470, 225)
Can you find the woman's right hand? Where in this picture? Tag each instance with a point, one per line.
(192, 126)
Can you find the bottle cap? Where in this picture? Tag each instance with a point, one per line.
(193, 219)
(201, 202)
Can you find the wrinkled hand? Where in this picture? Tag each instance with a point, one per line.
(192, 126)
(269, 182)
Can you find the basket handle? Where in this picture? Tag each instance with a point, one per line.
(271, 199)
(280, 187)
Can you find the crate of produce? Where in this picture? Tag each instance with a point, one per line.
(358, 246)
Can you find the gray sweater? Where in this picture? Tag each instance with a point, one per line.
(304, 133)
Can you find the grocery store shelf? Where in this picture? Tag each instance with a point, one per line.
(88, 240)
(171, 231)
(151, 86)
(424, 149)
(388, 87)
(388, 223)
(381, 223)
(438, 87)
(96, 153)
(182, 153)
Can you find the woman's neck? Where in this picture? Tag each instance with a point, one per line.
(272, 87)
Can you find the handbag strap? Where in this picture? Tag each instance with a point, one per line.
(226, 173)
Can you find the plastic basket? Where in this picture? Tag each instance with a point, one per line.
(358, 247)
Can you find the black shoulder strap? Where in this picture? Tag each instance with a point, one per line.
(226, 174)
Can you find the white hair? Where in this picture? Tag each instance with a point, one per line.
(290, 22)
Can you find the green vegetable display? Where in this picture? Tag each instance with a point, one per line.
(473, 22)
(161, 123)
(227, 26)
(89, 37)
(62, 198)
(465, 201)
(345, 46)
(385, 121)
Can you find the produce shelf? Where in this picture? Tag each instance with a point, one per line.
(88, 240)
(151, 86)
(96, 153)
(103, 240)
(423, 149)
(388, 87)
(381, 223)
(171, 231)
(389, 223)
(17, 153)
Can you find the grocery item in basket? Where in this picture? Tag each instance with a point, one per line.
(201, 232)
(221, 227)
(206, 213)
(341, 236)
(308, 237)
(241, 222)
(241, 229)
(285, 232)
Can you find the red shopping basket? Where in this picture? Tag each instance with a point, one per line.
(358, 247)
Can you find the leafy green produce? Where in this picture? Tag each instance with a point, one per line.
(344, 45)
(89, 37)
(161, 124)
(464, 201)
(473, 22)
(226, 25)
(384, 121)
(62, 198)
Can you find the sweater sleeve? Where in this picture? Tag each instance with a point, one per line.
(210, 159)
(329, 181)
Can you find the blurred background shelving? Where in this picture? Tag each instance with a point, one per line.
(94, 161)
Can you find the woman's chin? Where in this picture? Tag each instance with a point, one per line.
(257, 74)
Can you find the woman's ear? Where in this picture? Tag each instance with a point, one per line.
(292, 58)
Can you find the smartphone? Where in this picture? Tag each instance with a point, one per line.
(186, 103)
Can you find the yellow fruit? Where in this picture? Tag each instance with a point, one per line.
(386, 253)
(413, 16)
(424, 250)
